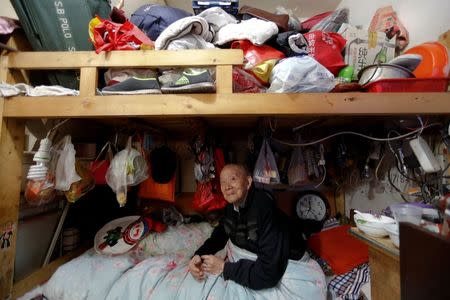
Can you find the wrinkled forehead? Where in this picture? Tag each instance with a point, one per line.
(231, 171)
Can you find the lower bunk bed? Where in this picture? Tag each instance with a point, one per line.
(157, 269)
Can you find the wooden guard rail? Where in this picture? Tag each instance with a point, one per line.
(222, 103)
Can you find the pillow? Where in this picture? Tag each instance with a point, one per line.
(339, 249)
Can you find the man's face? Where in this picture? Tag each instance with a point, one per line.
(234, 184)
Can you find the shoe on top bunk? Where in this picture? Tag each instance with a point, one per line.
(190, 81)
(133, 86)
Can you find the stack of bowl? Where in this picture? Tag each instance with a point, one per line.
(372, 225)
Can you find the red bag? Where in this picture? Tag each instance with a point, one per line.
(99, 167)
(208, 196)
(254, 55)
(107, 36)
(326, 48)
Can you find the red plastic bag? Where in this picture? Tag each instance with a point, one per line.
(107, 36)
(208, 196)
(326, 48)
(244, 82)
(254, 55)
(99, 167)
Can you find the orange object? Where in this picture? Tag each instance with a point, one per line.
(339, 249)
(150, 189)
(435, 61)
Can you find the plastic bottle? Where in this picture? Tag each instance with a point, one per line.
(40, 186)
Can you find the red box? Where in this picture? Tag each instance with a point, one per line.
(408, 85)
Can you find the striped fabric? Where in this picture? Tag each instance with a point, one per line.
(348, 286)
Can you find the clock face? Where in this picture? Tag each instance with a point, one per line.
(311, 207)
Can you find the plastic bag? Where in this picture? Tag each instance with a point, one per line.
(326, 48)
(100, 167)
(208, 195)
(128, 167)
(65, 173)
(386, 18)
(81, 187)
(244, 82)
(266, 170)
(294, 21)
(332, 22)
(297, 167)
(40, 188)
(300, 74)
(107, 36)
(255, 55)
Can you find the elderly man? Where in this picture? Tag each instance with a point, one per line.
(254, 223)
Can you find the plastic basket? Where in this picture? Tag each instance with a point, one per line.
(408, 85)
(230, 6)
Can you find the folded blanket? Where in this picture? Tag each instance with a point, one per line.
(194, 25)
(255, 30)
(217, 17)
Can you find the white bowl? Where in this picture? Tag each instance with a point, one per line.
(392, 230)
(374, 229)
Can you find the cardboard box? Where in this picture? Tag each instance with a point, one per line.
(364, 48)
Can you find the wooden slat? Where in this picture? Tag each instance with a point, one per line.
(88, 81)
(11, 150)
(148, 58)
(230, 105)
(224, 79)
(43, 274)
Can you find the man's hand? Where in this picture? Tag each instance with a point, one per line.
(195, 267)
(212, 264)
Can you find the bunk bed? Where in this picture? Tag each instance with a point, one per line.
(222, 104)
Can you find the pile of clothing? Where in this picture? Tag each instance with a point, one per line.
(281, 54)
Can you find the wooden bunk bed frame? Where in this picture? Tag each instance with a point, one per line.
(224, 103)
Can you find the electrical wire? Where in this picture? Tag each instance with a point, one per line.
(395, 187)
(357, 134)
(378, 166)
(303, 125)
(323, 178)
(56, 127)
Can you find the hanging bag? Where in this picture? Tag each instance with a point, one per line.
(266, 170)
(128, 167)
(208, 195)
(100, 167)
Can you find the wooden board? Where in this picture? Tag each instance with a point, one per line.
(141, 59)
(384, 275)
(230, 105)
(11, 150)
(43, 274)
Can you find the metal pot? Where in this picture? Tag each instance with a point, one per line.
(382, 71)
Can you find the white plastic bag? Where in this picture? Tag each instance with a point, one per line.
(300, 74)
(128, 167)
(65, 173)
(266, 170)
(297, 166)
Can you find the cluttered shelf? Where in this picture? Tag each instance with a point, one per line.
(222, 103)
